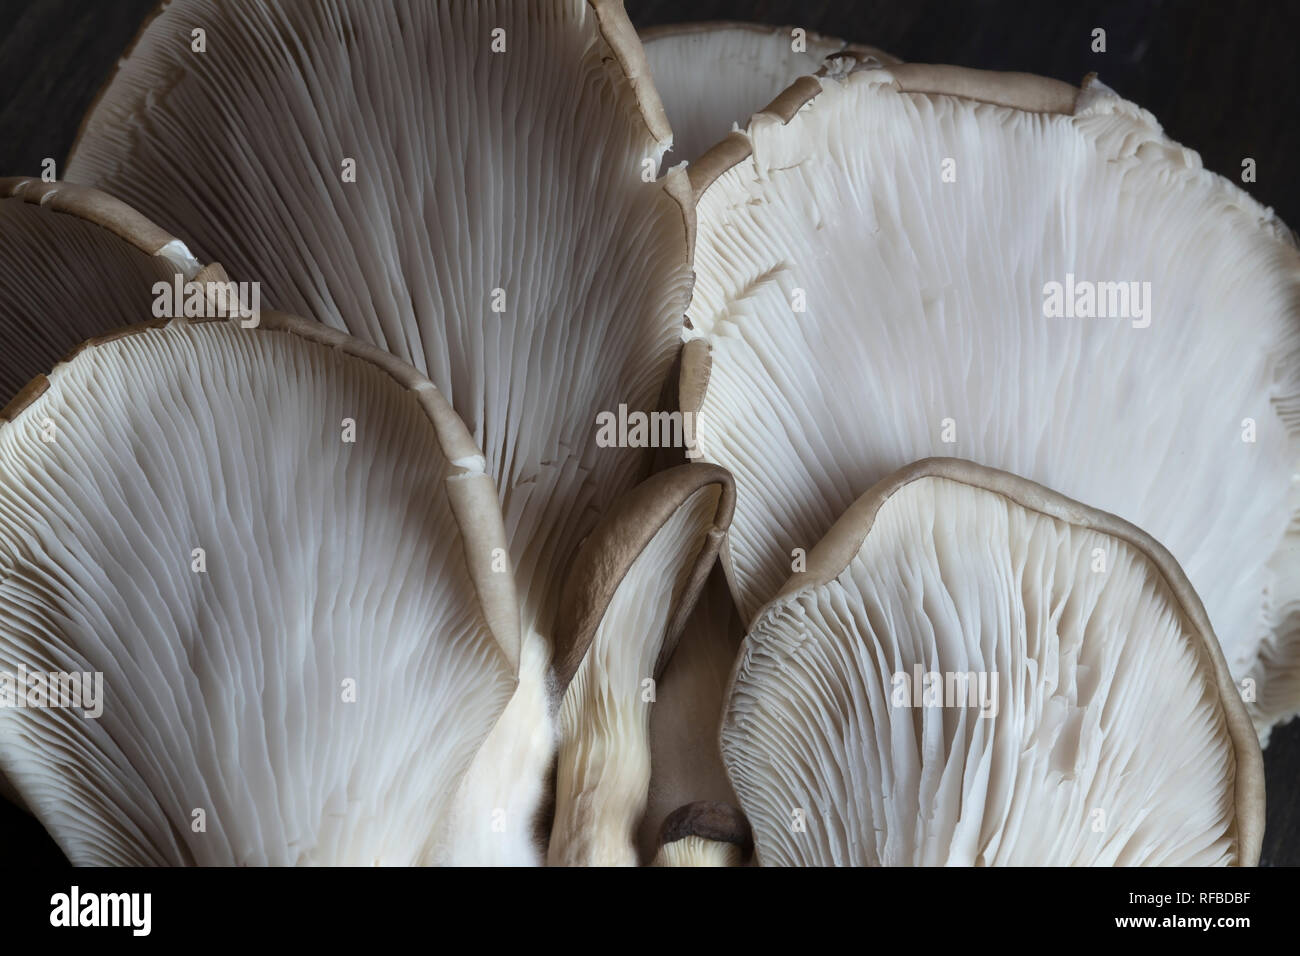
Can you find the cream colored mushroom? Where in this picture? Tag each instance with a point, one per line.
(626, 602)
(712, 76)
(975, 670)
(917, 260)
(518, 250)
(272, 551)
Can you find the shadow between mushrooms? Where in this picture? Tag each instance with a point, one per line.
(686, 765)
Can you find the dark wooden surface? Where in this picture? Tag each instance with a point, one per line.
(1220, 77)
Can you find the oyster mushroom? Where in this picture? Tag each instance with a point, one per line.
(704, 834)
(882, 261)
(518, 251)
(685, 763)
(1094, 722)
(711, 76)
(278, 547)
(627, 598)
(74, 263)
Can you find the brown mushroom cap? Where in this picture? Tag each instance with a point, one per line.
(704, 834)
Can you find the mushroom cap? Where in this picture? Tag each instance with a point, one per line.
(524, 191)
(1106, 729)
(74, 263)
(628, 596)
(919, 216)
(713, 75)
(513, 251)
(299, 634)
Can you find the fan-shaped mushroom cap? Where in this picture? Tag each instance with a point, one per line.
(626, 601)
(514, 251)
(704, 834)
(1082, 712)
(276, 547)
(880, 258)
(524, 192)
(711, 76)
(74, 263)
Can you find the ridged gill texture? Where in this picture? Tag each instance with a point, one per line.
(63, 280)
(498, 152)
(1072, 718)
(500, 235)
(875, 286)
(603, 768)
(296, 668)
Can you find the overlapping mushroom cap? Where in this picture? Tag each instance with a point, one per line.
(74, 263)
(648, 561)
(974, 670)
(274, 548)
(919, 261)
(712, 76)
(470, 186)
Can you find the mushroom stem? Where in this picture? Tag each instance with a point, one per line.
(627, 599)
(704, 834)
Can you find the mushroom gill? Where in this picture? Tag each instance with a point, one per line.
(975, 670)
(519, 250)
(914, 261)
(275, 547)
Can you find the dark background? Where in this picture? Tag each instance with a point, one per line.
(1221, 78)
